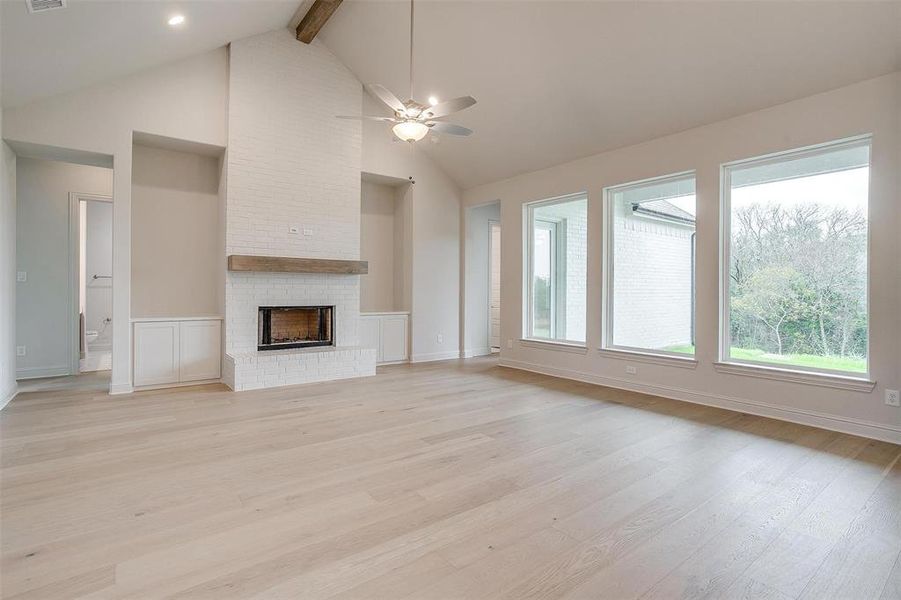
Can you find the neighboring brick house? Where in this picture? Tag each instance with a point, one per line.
(653, 242)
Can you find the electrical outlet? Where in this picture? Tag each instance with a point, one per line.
(293, 229)
(20, 350)
(21, 276)
(509, 344)
(630, 370)
(439, 338)
(893, 397)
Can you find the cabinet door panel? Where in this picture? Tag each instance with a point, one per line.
(394, 339)
(156, 353)
(199, 350)
(369, 335)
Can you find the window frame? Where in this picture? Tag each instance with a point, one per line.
(558, 273)
(607, 282)
(724, 337)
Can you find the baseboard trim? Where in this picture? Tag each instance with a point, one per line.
(41, 372)
(433, 356)
(9, 395)
(473, 352)
(116, 389)
(164, 386)
(868, 429)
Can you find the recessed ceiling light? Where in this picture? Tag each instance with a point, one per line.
(433, 100)
(176, 20)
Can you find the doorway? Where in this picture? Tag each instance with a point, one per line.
(94, 215)
(480, 309)
(63, 230)
(494, 285)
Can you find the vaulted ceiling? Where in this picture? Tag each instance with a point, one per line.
(555, 79)
(91, 41)
(559, 80)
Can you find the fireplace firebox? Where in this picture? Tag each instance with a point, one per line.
(283, 327)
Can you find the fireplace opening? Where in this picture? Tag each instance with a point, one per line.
(295, 327)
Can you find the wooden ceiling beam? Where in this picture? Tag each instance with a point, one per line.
(316, 18)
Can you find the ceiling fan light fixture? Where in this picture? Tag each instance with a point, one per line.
(410, 131)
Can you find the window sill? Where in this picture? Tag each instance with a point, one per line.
(841, 382)
(650, 357)
(554, 345)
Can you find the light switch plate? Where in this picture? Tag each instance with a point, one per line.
(293, 229)
(20, 350)
(21, 276)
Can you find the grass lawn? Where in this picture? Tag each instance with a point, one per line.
(834, 363)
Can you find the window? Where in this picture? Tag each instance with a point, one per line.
(795, 259)
(556, 248)
(650, 266)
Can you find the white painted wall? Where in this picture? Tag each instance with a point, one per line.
(7, 269)
(867, 107)
(185, 100)
(43, 252)
(377, 247)
(98, 245)
(403, 246)
(434, 215)
(476, 278)
(7, 272)
(176, 263)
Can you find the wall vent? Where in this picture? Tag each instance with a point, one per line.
(35, 6)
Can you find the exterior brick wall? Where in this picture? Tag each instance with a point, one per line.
(652, 286)
(576, 214)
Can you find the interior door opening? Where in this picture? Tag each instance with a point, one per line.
(95, 284)
(494, 286)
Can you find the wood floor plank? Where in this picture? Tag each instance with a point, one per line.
(457, 479)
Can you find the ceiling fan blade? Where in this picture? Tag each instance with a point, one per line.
(383, 94)
(367, 118)
(449, 106)
(449, 128)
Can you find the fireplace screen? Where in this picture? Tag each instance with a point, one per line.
(295, 327)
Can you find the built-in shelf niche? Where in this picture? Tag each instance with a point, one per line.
(177, 228)
(385, 231)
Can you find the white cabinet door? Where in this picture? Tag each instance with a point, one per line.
(156, 353)
(370, 335)
(394, 338)
(199, 350)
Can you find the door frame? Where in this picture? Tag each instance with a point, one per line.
(72, 335)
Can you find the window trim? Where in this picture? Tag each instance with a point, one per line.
(789, 372)
(607, 288)
(528, 241)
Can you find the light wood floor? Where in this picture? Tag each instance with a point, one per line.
(444, 480)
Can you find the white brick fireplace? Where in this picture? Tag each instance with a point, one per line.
(291, 164)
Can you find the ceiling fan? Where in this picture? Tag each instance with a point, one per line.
(413, 120)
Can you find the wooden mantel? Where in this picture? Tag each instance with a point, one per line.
(285, 264)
